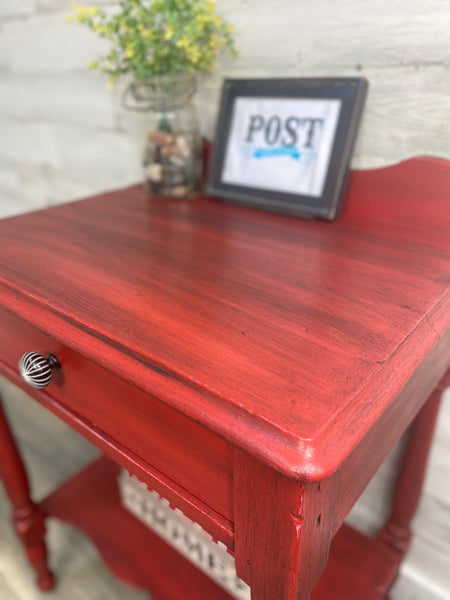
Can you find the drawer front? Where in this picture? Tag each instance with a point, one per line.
(180, 449)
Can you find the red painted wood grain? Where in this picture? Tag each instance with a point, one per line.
(359, 568)
(27, 517)
(253, 368)
(186, 463)
(283, 530)
(276, 333)
(139, 422)
(91, 502)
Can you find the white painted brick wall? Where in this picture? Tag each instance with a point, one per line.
(319, 34)
(9, 178)
(46, 43)
(29, 142)
(64, 135)
(13, 8)
(112, 156)
(3, 61)
(48, 5)
(72, 98)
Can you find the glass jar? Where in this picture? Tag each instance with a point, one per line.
(171, 155)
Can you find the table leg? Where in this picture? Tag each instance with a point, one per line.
(283, 530)
(397, 531)
(28, 520)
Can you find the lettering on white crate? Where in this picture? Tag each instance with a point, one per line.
(184, 535)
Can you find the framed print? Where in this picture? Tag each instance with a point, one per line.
(285, 144)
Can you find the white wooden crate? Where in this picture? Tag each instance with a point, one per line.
(184, 535)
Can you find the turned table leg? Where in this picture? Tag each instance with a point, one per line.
(397, 531)
(28, 520)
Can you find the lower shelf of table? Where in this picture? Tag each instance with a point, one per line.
(359, 568)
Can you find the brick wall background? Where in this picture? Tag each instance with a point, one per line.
(64, 135)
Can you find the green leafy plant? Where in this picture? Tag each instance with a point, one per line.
(157, 37)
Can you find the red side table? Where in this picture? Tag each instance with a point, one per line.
(254, 369)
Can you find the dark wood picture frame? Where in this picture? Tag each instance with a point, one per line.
(350, 94)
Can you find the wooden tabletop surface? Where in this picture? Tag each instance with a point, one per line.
(278, 333)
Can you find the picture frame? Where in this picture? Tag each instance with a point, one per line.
(285, 144)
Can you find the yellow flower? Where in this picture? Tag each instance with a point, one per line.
(100, 29)
(84, 11)
(169, 32)
(215, 19)
(144, 42)
(214, 43)
(148, 34)
(193, 53)
(124, 26)
(183, 42)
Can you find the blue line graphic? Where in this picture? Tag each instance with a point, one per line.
(291, 151)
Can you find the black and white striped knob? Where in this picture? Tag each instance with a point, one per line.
(37, 370)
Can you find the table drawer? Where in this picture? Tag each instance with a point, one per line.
(188, 454)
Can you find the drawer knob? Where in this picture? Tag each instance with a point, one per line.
(37, 370)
